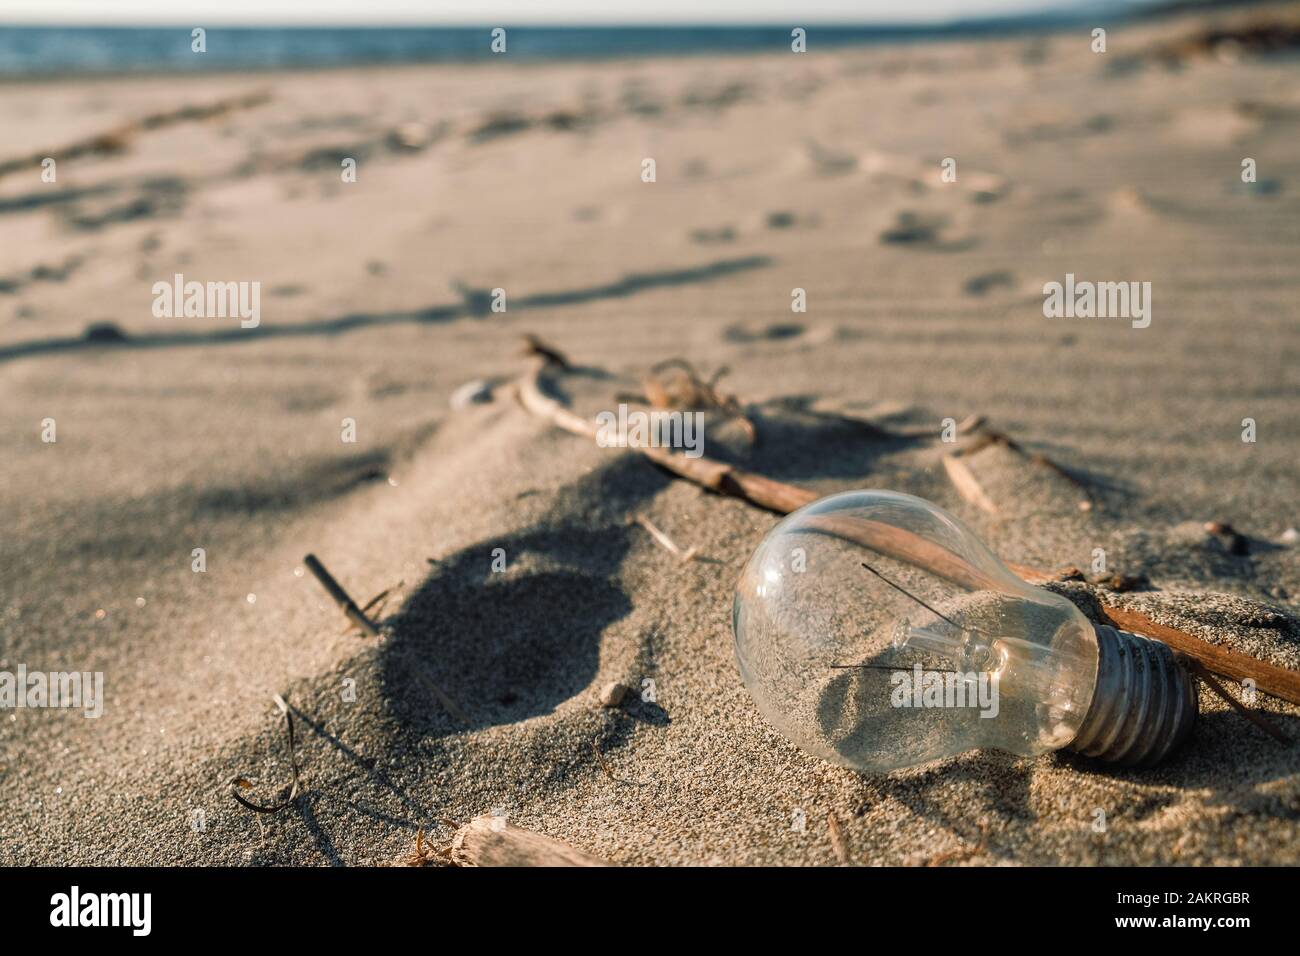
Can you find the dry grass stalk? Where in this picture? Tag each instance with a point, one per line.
(666, 542)
(967, 485)
(985, 437)
(600, 759)
(839, 843)
(783, 498)
(1258, 720)
(443, 697)
(491, 841)
(426, 854)
(375, 606)
(381, 599)
(242, 783)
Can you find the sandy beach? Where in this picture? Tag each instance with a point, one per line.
(819, 172)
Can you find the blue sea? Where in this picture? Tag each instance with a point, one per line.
(28, 51)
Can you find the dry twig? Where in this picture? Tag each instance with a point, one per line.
(783, 498)
(666, 542)
(600, 759)
(340, 596)
(839, 843)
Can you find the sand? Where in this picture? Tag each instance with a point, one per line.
(818, 172)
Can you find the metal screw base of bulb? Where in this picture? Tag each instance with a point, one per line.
(1145, 703)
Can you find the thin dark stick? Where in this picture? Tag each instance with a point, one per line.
(340, 596)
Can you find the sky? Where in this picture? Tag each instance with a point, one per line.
(508, 12)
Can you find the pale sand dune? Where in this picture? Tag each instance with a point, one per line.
(773, 172)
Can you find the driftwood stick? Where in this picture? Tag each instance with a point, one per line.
(705, 472)
(1278, 681)
(783, 498)
(340, 596)
(491, 841)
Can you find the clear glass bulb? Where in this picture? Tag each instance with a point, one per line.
(876, 631)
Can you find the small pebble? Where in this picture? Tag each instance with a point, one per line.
(1290, 536)
(612, 694)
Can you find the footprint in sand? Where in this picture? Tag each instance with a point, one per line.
(41, 273)
(926, 230)
(788, 219)
(714, 236)
(105, 332)
(1218, 125)
(827, 162)
(986, 282)
(920, 175)
(1262, 189)
(774, 332)
(778, 220)
(1054, 129)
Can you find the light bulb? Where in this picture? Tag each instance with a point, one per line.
(876, 631)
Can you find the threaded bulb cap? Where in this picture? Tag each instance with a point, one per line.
(1145, 703)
